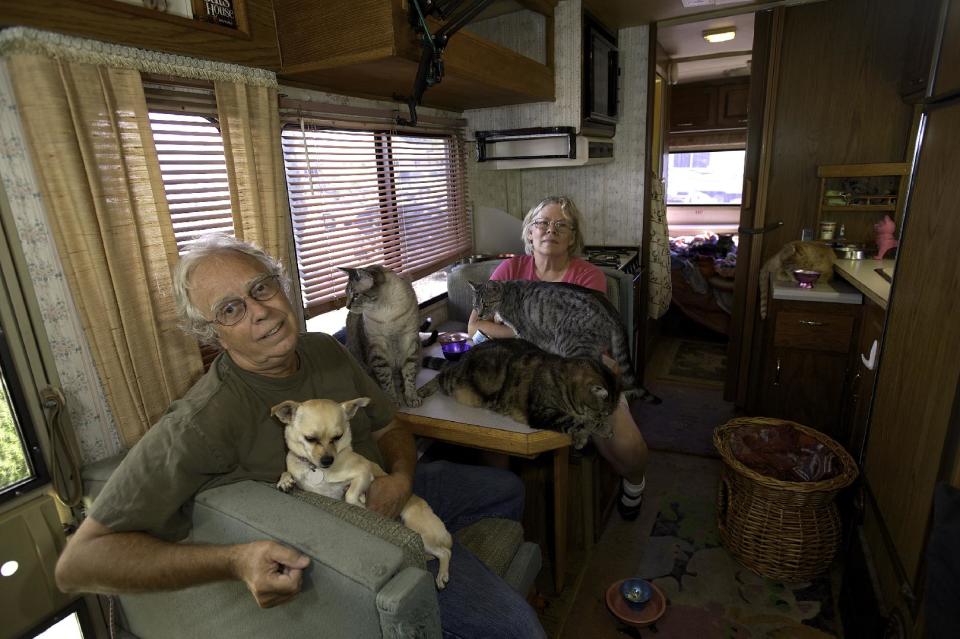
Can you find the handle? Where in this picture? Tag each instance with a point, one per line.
(871, 362)
(684, 124)
(723, 501)
(776, 377)
(760, 229)
(811, 323)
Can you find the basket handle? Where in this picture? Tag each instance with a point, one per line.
(723, 501)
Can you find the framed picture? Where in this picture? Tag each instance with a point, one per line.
(222, 12)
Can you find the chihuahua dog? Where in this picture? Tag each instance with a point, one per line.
(321, 459)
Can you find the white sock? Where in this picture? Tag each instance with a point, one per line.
(632, 493)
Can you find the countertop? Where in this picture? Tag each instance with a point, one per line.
(863, 276)
(835, 291)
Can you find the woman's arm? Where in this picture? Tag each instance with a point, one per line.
(489, 327)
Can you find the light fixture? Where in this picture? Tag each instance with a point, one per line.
(722, 34)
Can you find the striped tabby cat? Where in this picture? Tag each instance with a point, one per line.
(515, 378)
(564, 319)
(383, 330)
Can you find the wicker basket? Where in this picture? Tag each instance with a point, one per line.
(779, 529)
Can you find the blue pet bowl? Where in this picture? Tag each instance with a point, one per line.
(454, 345)
(636, 592)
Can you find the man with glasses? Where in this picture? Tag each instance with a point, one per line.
(233, 295)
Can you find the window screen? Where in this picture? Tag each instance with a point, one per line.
(362, 197)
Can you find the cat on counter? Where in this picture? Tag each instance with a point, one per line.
(798, 255)
(515, 378)
(383, 330)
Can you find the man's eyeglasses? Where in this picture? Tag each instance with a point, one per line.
(229, 312)
(559, 226)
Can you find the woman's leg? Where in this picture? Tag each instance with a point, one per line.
(626, 451)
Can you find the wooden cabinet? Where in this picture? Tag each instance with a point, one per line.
(857, 196)
(367, 48)
(706, 106)
(806, 360)
(864, 375)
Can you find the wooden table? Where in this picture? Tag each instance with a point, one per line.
(442, 418)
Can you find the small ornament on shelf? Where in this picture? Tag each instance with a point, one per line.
(222, 12)
(884, 236)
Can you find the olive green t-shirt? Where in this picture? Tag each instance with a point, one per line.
(222, 432)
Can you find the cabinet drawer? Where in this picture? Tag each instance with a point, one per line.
(817, 332)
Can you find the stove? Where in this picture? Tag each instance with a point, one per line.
(622, 258)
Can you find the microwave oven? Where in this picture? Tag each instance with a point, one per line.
(601, 78)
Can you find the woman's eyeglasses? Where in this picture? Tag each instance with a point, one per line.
(229, 312)
(559, 226)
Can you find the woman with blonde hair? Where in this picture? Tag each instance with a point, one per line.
(553, 240)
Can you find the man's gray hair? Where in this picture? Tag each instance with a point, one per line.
(570, 212)
(192, 320)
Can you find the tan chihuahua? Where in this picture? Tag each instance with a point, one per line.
(320, 459)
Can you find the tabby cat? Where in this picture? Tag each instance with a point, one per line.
(383, 330)
(807, 256)
(515, 378)
(564, 319)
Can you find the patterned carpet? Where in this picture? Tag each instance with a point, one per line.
(691, 362)
(712, 596)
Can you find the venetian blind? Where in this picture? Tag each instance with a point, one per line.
(190, 149)
(362, 197)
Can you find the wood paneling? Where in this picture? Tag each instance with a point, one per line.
(134, 26)
(948, 74)
(838, 102)
(920, 364)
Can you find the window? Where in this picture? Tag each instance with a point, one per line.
(192, 162)
(362, 197)
(21, 465)
(705, 177)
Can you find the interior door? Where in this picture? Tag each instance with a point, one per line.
(768, 26)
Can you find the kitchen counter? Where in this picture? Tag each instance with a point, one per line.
(835, 291)
(863, 276)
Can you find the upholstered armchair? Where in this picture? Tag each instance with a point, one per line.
(367, 576)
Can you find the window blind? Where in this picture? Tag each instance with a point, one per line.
(362, 197)
(192, 162)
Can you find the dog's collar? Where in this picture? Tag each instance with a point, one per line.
(306, 461)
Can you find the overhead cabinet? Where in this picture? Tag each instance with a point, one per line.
(708, 106)
(367, 48)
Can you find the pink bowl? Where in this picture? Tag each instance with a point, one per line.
(806, 279)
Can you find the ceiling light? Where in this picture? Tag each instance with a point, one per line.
(720, 35)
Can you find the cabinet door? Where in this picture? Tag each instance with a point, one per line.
(805, 386)
(861, 391)
(948, 67)
(734, 105)
(919, 54)
(693, 108)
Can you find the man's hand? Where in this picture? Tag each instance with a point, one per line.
(388, 494)
(271, 571)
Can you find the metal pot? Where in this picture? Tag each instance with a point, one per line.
(851, 252)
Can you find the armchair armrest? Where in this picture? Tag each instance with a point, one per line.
(357, 584)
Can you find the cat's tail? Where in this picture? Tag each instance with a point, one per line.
(620, 347)
(429, 388)
(641, 393)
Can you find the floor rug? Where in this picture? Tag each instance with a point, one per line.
(684, 422)
(712, 596)
(691, 362)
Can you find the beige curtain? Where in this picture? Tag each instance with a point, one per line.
(660, 284)
(250, 126)
(92, 147)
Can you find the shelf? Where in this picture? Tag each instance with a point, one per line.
(858, 208)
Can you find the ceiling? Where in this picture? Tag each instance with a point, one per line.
(618, 14)
(693, 58)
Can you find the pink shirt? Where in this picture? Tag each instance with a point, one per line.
(579, 272)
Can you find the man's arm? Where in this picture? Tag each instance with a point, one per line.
(97, 559)
(387, 495)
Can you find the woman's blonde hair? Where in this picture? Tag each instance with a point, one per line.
(570, 212)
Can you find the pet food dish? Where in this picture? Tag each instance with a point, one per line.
(806, 279)
(636, 592)
(454, 345)
(647, 615)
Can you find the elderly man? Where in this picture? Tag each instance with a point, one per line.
(232, 294)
